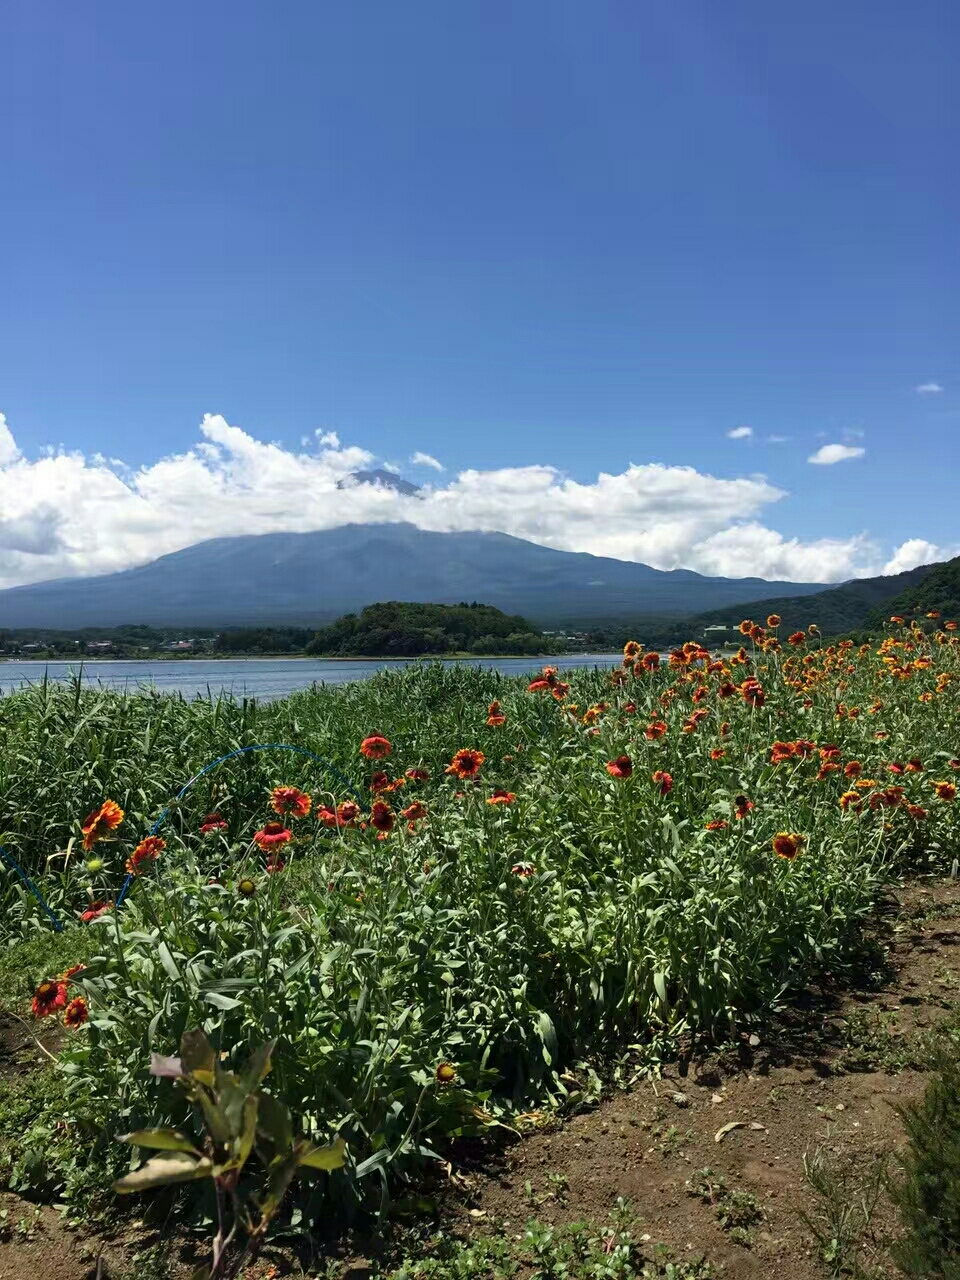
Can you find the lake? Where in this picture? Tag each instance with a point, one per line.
(263, 678)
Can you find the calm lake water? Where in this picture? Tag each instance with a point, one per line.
(254, 677)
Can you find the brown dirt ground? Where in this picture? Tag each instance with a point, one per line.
(803, 1086)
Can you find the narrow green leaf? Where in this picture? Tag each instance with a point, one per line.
(659, 982)
(166, 959)
(159, 1171)
(160, 1140)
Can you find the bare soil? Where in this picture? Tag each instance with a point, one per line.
(826, 1077)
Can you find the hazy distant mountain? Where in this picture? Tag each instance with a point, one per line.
(313, 578)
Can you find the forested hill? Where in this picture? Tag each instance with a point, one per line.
(937, 592)
(835, 611)
(406, 630)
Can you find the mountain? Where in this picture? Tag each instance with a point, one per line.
(313, 578)
(385, 479)
(938, 590)
(835, 610)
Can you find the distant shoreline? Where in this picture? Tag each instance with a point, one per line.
(305, 657)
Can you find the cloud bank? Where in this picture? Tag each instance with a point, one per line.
(67, 515)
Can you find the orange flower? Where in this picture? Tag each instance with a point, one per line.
(916, 811)
(934, 613)
(718, 824)
(897, 620)
(495, 716)
(774, 620)
(72, 972)
(622, 767)
(852, 769)
(741, 806)
(523, 869)
(501, 797)
(417, 775)
(212, 822)
(650, 661)
(631, 650)
(274, 835)
(787, 845)
(746, 626)
(147, 851)
(752, 692)
(914, 765)
(76, 1013)
(95, 910)
(466, 763)
(375, 747)
(382, 817)
(798, 637)
(850, 800)
(826, 770)
(724, 728)
(537, 686)
(949, 626)
(663, 780)
(48, 998)
(656, 729)
(781, 751)
(98, 825)
(379, 782)
(945, 790)
(290, 800)
(717, 753)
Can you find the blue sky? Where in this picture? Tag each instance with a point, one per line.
(506, 236)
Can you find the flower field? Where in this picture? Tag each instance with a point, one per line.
(493, 883)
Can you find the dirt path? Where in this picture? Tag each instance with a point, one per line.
(827, 1077)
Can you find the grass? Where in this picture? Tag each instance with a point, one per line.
(603, 911)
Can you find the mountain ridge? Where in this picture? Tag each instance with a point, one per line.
(312, 578)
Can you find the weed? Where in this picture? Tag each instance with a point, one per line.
(848, 1202)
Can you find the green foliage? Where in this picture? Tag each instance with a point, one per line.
(837, 611)
(938, 590)
(237, 1119)
(928, 1194)
(408, 630)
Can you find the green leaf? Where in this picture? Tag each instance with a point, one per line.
(279, 1176)
(159, 1171)
(201, 1273)
(659, 982)
(217, 1123)
(221, 1001)
(257, 1067)
(160, 1140)
(329, 1157)
(166, 959)
(274, 1129)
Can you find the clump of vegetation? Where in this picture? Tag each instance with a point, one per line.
(495, 879)
(410, 630)
(736, 1211)
(928, 1194)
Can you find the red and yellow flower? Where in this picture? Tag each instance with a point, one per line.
(663, 781)
(48, 997)
(290, 800)
(145, 854)
(786, 844)
(622, 767)
(273, 835)
(466, 763)
(76, 1013)
(375, 747)
(98, 824)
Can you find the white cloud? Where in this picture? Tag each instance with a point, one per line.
(928, 388)
(426, 460)
(740, 433)
(327, 439)
(917, 551)
(392, 467)
(64, 515)
(777, 439)
(8, 446)
(828, 454)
